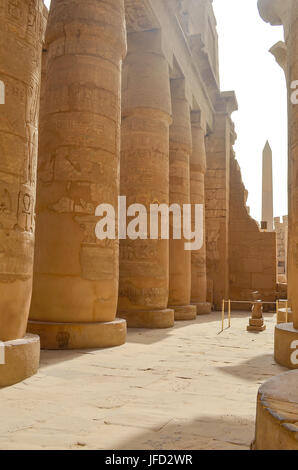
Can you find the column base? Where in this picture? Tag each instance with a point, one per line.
(256, 328)
(79, 335)
(277, 414)
(285, 345)
(203, 308)
(21, 359)
(184, 312)
(256, 324)
(282, 316)
(149, 318)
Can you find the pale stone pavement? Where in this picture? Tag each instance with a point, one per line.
(183, 388)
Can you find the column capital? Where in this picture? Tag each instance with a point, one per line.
(180, 90)
(276, 12)
(198, 121)
(227, 102)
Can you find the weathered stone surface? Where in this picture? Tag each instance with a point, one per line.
(21, 360)
(22, 26)
(277, 414)
(146, 112)
(256, 322)
(218, 150)
(80, 335)
(197, 196)
(76, 275)
(267, 188)
(180, 151)
(252, 254)
(281, 229)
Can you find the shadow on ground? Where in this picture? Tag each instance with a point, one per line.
(206, 432)
(257, 369)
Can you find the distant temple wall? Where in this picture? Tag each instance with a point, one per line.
(252, 253)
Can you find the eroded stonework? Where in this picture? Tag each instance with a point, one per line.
(22, 26)
(76, 275)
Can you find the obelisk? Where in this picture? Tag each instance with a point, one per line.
(267, 188)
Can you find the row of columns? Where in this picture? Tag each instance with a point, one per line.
(77, 291)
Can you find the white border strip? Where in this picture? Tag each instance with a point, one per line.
(2, 353)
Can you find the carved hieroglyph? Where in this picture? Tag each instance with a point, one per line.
(22, 26)
(197, 196)
(180, 150)
(76, 275)
(146, 112)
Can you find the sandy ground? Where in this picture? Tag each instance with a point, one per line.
(184, 388)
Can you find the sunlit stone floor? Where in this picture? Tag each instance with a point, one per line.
(184, 388)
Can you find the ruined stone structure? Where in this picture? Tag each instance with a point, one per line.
(277, 408)
(252, 256)
(165, 137)
(22, 26)
(281, 229)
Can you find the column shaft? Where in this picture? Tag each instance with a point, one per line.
(76, 275)
(146, 112)
(22, 27)
(180, 150)
(197, 196)
(293, 163)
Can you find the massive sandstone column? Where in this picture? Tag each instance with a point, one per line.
(180, 150)
(22, 26)
(146, 112)
(197, 196)
(76, 275)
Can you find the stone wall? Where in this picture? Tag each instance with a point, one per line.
(252, 253)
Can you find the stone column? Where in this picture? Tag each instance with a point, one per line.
(267, 188)
(197, 196)
(286, 13)
(76, 275)
(22, 26)
(146, 113)
(217, 192)
(277, 398)
(180, 150)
